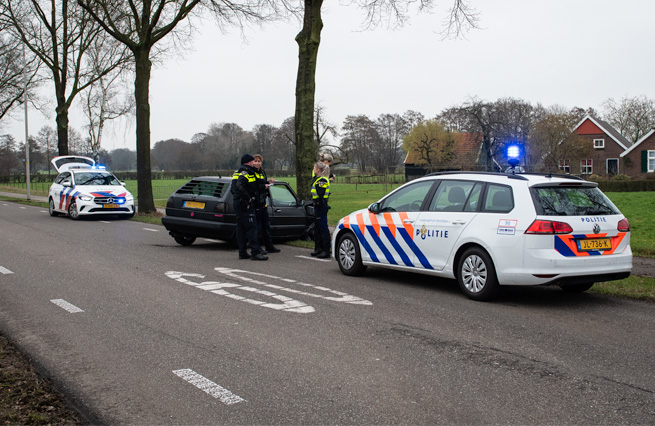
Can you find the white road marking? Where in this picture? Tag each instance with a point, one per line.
(314, 258)
(5, 271)
(6, 205)
(151, 230)
(211, 240)
(64, 304)
(23, 208)
(209, 387)
(44, 211)
(104, 221)
(288, 304)
(342, 297)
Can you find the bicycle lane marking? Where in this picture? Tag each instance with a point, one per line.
(340, 296)
(288, 304)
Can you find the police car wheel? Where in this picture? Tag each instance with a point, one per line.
(476, 275)
(184, 240)
(73, 212)
(348, 256)
(51, 208)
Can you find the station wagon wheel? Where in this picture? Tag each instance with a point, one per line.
(72, 211)
(349, 257)
(51, 208)
(476, 274)
(184, 240)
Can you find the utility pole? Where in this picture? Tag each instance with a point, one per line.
(27, 135)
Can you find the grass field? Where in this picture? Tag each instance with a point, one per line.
(346, 198)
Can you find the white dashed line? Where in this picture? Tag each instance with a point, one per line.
(151, 230)
(209, 387)
(104, 221)
(23, 208)
(67, 306)
(313, 258)
(5, 271)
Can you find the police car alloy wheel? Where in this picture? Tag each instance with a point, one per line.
(476, 275)
(349, 257)
(51, 208)
(73, 212)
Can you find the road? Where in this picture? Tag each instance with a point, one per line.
(138, 330)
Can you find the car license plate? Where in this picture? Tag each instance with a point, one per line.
(592, 244)
(194, 205)
(110, 206)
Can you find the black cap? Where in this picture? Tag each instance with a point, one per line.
(246, 158)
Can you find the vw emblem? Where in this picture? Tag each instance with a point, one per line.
(111, 201)
(596, 229)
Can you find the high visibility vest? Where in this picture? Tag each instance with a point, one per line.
(251, 177)
(322, 182)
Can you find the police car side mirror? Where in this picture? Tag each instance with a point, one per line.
(66, 183)
(374, 208)
(122, 183)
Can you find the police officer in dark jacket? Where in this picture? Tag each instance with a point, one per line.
(320, 195)
(244, 192)
(261, 207)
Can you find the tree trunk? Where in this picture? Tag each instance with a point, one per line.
(62, 127)
(142, 96)
(308, 41)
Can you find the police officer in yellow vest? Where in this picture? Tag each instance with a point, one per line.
(320, 195)
(244, 193)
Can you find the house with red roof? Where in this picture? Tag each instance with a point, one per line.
(639, 160)
(608, 146)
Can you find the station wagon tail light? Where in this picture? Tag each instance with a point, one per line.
(623, 226)
(549, 227)
(220, 208)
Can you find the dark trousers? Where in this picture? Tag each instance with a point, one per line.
(322, 232)
(264, 227)
(246, 230)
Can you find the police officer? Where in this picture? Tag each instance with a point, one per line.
(261, 207)
(244, 193)
(320, 194)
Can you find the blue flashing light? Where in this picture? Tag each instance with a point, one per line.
(513, 151)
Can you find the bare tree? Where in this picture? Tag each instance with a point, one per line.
(360, 133)
(633, 117)
(16, 71)
(141, 25)
(392, 128)
(394, 12)
(60, 33)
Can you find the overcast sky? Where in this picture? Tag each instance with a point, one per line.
(567, 52)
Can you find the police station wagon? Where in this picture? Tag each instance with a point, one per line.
(491, 229)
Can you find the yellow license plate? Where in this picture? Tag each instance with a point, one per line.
(111, 206)
(194, 205)
(595, 244)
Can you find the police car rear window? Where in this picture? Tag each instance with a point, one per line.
(201, 187)
(571, 201)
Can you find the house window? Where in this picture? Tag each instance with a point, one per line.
(599, 143)
(586, 167)
(613, 166)
(651, 161)
(565, 166)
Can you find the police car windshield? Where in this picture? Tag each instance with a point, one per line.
(572, 201)
(95, 178)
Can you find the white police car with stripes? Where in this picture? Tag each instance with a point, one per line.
(84, 189)
(491, 229)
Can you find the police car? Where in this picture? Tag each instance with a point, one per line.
(491, 229)
(84, 189)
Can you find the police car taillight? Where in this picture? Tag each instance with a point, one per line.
(549, 227)
(623, 226)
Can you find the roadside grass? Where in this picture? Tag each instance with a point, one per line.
(638, 208)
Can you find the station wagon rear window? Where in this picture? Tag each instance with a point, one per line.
(201, 187)
(571, 201)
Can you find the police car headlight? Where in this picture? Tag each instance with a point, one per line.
(85, 197)
(129, 197)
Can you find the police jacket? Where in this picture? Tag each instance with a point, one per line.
(320, 190)
(244, 185)
(262, 191)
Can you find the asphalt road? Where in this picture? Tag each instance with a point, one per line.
(138, 330)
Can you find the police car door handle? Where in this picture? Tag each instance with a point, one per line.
(458, 222)
(408, 221)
